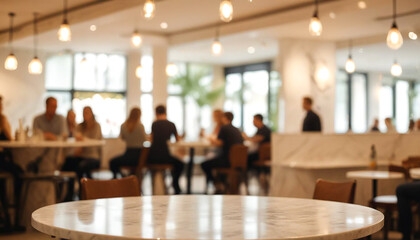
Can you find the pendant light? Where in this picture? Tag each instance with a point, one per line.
(396, 69)
(11, 62)
(315, 25)
(171, 70)
(216, 47)
(64, 33)
(394, 39)
(149, 9)
(136, 39)
(35, 66)
(226, 10)
(350, 66)
(139, 72)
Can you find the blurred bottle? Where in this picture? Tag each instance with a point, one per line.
(373, 160)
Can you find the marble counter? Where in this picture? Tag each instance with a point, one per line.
(299, 160)
(206, 217)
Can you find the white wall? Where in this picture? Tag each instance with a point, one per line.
(297, 61)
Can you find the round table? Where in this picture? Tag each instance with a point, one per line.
(415, 173)
(206, 217)
(374, 176)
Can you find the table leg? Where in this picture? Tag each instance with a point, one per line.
(189, 170)
(374, 188)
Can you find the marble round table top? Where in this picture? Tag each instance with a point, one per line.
(70, 143)
(378, 175)
(415, 173)
(206, 217)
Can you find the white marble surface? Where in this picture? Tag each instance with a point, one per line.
(70, 143)
(377, 175)
(415, 173)
(206, 217)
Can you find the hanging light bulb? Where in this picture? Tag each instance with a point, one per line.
(396, 69)
(394, 40)
(35, 66)
(64, 33)
(136, 39)
(226, 10)
(350, 66)
(149, 9)
(216, 46)
(315, 25)
(11, 62)
(139, 72)
(171, 70)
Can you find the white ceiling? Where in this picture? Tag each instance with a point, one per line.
(113, 31)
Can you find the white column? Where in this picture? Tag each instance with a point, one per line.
(298, 63)
(218, 81)
(160, 80)
(374, 88)
(133, 83)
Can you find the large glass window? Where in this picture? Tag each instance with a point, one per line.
(95, 80)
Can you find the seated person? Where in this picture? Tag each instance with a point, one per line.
(375, 127)
(132, 132)
(407, 193)
(88, 158)
(51, 124)
(228, 136)
(7, 164)
(162, 131)
(71, 123)
(218, 121)
(263, 135)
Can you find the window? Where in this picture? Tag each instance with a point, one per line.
(248, 93)
(351, 102)
(85, 79)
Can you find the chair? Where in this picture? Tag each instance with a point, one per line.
(238, 156)
(138, 170)
(264, 165)
(411, 162)
(335, 191)
(96, 189)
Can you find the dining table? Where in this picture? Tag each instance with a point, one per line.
(206, 217)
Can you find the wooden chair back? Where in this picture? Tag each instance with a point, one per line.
(411, 162)
(335, 191)
(400, 169)
(264, 151)
(238, 156)
(123, 187)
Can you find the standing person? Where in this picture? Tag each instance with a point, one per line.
(312, 122)
(389, 126)
(88, 158)
(162, 131)
(228, 136)
(375, 127)
(263, 135)
(71, 123)
(51, 124)
(132, 132)
(406, 194)
(7, 165)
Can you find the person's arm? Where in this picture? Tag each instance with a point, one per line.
(219, 140)
(6, 127)
(143, 134)
(175, 132)
(255, 139)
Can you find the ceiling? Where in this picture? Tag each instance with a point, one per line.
(258, 24)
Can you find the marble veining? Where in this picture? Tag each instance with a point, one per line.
(206, 217)
(378, 175)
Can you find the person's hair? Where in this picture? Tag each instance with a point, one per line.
(50, 99)
(160, 110)
(308, 100)
(259, 117)
(1, 97)
(84, 123)
(133, 119)
(228, 116)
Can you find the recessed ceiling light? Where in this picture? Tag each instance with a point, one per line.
(332, 15)
(362, 5)
(412, 35)
(164, 25)
(92, 28)
(251, 50)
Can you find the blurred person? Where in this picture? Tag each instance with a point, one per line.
(227, 137)
(312, 122)
(51, 124)
(263, 135)
(375, 127)
(162, 131)
(85, 159)
(411, 126)
(71, 123)
(217, 118)
(406, 194)
(418, 125)
(7, 165)
(133, 134)
(389, 126)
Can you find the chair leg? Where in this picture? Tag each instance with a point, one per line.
(25, 188)
(4, 203)
(386, 224)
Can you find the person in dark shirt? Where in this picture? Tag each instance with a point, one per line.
(263, 135)
(162, 131)
(312, 122)
(375, 127)
(227, 137)
(406, 194)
